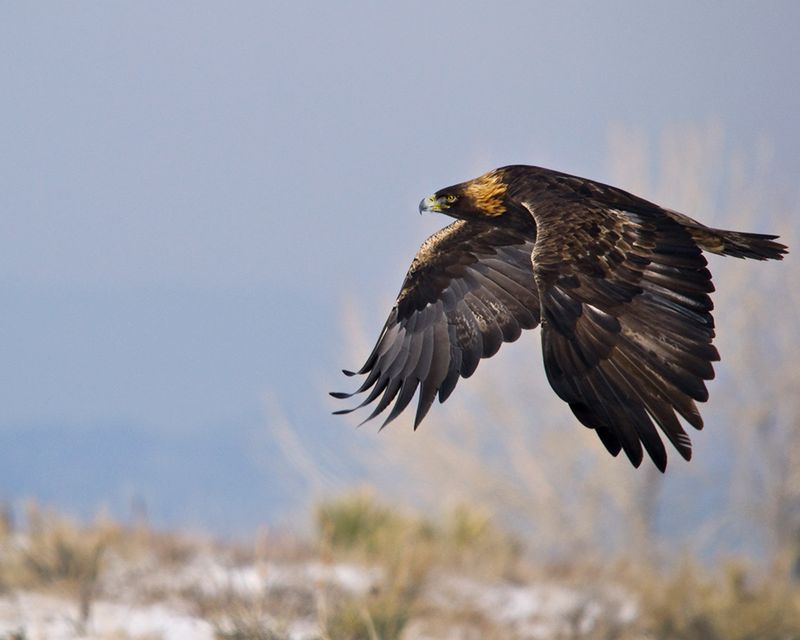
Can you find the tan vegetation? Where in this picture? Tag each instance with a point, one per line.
(60, 555)
(427, 578)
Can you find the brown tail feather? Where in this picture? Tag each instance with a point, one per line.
(757, 246)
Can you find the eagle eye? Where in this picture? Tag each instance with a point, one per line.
(450, 198)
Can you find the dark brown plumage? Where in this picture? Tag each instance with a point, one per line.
(619, 285)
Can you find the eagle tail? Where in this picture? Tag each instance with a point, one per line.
(757, 246)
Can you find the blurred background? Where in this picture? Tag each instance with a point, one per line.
(206, 210)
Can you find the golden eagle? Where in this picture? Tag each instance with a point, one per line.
(619, 285)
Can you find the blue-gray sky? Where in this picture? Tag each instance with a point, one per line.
(189, 190)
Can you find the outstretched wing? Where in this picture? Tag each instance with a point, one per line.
(469, 289)
(627, 330)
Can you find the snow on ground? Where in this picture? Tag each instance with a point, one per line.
(45, 617)
(128, 610)
(53, 617)
(538, 611)
(211, 576)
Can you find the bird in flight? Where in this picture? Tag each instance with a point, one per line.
(618, 284)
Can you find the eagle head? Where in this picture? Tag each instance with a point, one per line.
(481, 198)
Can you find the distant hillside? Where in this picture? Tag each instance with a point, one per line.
(225, 480)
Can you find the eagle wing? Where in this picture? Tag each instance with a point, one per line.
(626, 318)
(469, 289)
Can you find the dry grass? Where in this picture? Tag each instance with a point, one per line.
(409, 549)
(413, 558)
(406, 547)
(731, 602)
(60, 555)
(688, 602)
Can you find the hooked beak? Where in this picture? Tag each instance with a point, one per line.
(430, 204)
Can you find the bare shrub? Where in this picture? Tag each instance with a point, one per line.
(62, 555)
